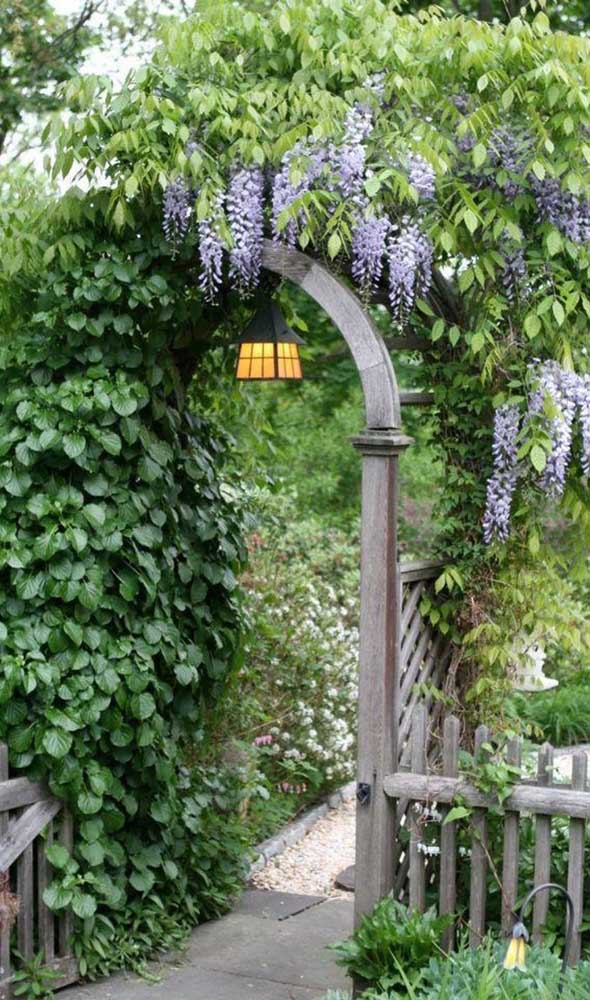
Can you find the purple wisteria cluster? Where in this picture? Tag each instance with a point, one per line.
(559, 401)
(369, 244)
(245, 214)
(211, 251)
(410, 255)
(340, 168)
(286, 191)
(502, 482)
(176, 211)
(514, 274)
(567, 212)
(422, 176)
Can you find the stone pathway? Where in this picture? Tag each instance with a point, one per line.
(272, 947)
(311, 865)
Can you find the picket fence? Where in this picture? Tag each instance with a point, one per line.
(445, 786)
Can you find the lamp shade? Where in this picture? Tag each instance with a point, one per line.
(268, 348)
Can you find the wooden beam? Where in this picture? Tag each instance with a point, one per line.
(22, 831)
(413, 397)
(421, 569)
(559, 800)
(19, 792)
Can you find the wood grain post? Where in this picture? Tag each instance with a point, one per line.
(542, 846)
(511, 850)
(479, 860)
(379, 668)
(418, 762)
(448, 833)
(575, 874)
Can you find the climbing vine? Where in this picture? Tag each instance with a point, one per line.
(441, 164)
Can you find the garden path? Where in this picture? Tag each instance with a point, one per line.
(272, 947)
(312, 864)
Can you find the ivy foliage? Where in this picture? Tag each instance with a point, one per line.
(119, 617)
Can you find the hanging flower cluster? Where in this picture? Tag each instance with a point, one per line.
(502, 483)
(560, 400)
(211, 251)
(245, 214)
(410, 256)
(341, 168)
(514, 274)
(567, 212)
(176, 211)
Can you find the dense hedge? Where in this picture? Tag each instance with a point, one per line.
(118, 610)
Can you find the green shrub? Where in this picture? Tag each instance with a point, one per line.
(477, 974)
(562, 715)
(120, 548)
(389, 939)
(297, 687)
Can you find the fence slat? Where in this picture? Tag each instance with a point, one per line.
(448, 833)
(511, 849)
(412, 594)
(22, 831)
(575, 873)
(65, 922)
(479, 861)
(19, 792)
(5, 935)
(542, 845)
(24, 889)
(46, 921)
(417, 858)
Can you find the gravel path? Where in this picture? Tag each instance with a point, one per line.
(311, 865)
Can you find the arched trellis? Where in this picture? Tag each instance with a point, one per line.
(381, 586)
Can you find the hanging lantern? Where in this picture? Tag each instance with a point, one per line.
(269, 349)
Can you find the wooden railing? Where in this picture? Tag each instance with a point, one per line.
(540, 798)
(30, 818)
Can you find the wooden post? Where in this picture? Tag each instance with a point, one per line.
(417, 858)
(448, 833)
(575, 874)
(542, 846)
(479, 861)
(511, 850)
(379, 680)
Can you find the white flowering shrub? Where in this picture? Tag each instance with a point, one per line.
(297, 690)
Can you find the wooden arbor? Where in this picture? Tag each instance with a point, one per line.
(380, 445)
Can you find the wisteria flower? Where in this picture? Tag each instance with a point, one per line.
(211, 251)
(176, 212)
(245, 213)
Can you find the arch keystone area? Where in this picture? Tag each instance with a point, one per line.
(381, 395)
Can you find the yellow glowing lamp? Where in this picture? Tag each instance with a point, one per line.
(269, 349)
(516, 954)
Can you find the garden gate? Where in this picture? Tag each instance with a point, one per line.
(27, 813)
(538, 797)
(397, 647)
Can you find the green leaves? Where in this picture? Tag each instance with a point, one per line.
(57, 742)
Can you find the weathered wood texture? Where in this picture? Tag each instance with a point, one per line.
(479, 857)
(28, 816)
(382, 404)
(424, 659)
(378, 700)
(438, 792)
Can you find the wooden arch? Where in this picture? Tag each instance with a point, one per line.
(382, 404)
(381, 585)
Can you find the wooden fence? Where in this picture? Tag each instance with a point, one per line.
(425, 655)
(539, 798)
(29, 820)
